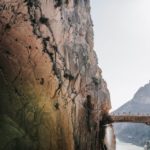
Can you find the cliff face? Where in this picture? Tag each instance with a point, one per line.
(140, 104)
(52, 95)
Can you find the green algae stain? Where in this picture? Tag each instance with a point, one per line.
(11, 134)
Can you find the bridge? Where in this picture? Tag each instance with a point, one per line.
(133, 118)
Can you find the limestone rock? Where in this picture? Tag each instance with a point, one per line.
(50, 83)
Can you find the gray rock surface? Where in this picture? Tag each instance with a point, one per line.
(51, 87)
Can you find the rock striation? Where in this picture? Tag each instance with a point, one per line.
(52, 94)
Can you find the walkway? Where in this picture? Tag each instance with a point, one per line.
(145, 118)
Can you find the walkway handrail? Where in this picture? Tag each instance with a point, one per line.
(130, 118)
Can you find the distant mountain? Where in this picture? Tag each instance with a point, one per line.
(131, 132)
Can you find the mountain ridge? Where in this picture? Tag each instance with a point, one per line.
(139, 104)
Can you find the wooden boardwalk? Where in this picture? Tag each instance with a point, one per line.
(130, 118)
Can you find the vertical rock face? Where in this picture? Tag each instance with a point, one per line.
(52, 95)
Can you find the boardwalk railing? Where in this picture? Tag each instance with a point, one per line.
(130, 118)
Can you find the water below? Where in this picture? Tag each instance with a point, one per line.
(126, 146)
(109, 141)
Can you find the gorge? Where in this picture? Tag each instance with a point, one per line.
(52, 94)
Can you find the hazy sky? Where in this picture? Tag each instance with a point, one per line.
(122, 43)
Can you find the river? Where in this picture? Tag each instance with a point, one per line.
(110, 142)
(126, 146)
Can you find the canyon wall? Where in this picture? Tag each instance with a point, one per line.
(52, 94)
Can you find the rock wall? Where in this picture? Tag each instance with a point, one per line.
(52, 95)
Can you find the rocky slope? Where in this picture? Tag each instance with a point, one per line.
(52, 95)
(140, 104)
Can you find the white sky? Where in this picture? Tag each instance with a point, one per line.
(122, 43)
